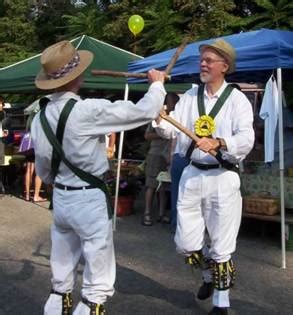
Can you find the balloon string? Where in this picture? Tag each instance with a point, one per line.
(134, 47)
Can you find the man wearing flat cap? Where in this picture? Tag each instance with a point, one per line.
(70, 153)
(209, 190)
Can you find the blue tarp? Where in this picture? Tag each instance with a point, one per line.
(258, 53)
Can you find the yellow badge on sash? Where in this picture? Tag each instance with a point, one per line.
(204, 126)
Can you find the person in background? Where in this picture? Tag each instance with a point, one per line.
(111, 145)
(209, 189)
(82, 222)
(3, 135)
(30, 178)
(178, 163)
(3, 132)
(157, 160)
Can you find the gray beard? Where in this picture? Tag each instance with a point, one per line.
(205, 78)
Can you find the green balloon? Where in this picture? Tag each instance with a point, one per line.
(135, 24)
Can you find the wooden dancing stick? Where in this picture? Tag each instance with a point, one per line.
(189, 133)
(176, 55)
(144, 75)
(120, 74)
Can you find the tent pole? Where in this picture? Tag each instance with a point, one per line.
(281, 158)
(82, 37)
(126, 92)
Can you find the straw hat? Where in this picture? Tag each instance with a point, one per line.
(225, 50)
(61, 63)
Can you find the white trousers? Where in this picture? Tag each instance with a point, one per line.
(209, 199)
(81, 227)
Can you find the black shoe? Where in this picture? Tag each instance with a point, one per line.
(219, 311)
(205, 291)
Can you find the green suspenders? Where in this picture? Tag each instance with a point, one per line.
(217, 107)
(58, 153)
(220, 102)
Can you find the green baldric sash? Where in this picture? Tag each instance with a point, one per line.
(206, 120)
(58, 153)
(220, 102)
(205, 124)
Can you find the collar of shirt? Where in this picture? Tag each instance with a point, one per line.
(59, 96)
(217, 94)
(209, 102)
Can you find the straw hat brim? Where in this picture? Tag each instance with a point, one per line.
(44, 82)
(230, 60)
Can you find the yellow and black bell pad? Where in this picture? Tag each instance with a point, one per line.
(223, 274)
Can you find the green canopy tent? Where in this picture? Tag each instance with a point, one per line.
(19, 78)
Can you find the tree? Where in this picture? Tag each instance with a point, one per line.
(49, 23)
(17, 33)
(211, 18)
(164, 26)
(275, 14)
(116, 30)
(89, 20)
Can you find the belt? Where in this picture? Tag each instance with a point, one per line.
(60, 186)
(205, 167)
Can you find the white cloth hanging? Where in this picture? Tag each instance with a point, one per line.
(269, 112)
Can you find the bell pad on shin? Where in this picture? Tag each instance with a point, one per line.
(223, 274)
(66, 302)
(198, 260)
(95, 309)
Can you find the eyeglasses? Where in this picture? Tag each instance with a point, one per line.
(210, 61)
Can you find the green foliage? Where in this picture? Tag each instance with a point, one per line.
(28, 26)
(49, 23)
(17, 33)
(89, 21)
(271, 14)
(11, 53)
(164, 26)
(15, 26)
(209, 18)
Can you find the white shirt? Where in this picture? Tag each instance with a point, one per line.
(86, 127)
(233, 124)
(269, 112)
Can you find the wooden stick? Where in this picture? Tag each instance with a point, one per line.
(144, 75)
(189, 133)
(120, 74)
(176, 55)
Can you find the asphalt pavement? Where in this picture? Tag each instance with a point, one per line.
(151, 277)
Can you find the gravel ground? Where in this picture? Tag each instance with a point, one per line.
(151, 277)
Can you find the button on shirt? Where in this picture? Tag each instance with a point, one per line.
(233, 124)
(84, 135)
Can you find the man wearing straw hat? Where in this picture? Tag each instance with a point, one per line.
(209, 190)
(82, 223)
